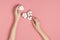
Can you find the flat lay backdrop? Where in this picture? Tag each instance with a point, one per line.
(47, 11)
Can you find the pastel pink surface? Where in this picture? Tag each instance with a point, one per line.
(48, 12)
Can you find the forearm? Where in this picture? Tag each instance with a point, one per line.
(13, 31)
(14, 27)
(43, 34)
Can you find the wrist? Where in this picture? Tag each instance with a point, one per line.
(17, 19)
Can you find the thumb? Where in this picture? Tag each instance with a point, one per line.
(35, 21)
(17, 10)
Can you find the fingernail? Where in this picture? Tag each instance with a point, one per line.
(21, 7)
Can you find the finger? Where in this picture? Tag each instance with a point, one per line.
(17, 10)
(35, 20)
(33, 23)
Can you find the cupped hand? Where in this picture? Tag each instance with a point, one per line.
(36, 23)
(17, 13)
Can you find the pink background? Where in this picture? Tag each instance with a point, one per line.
(48, 12)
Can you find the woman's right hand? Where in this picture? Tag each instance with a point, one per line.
(37, 26)
(36, 23)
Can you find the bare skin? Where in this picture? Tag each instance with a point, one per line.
(38, 28)
(35, 23)
(13, 31)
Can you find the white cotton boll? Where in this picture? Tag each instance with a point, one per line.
(29, 13)
(21, 8)
(29, 18)
(24, 15)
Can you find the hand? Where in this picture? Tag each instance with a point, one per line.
(14, 27)
(17, 13)
(37, 26)
(36, 23)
